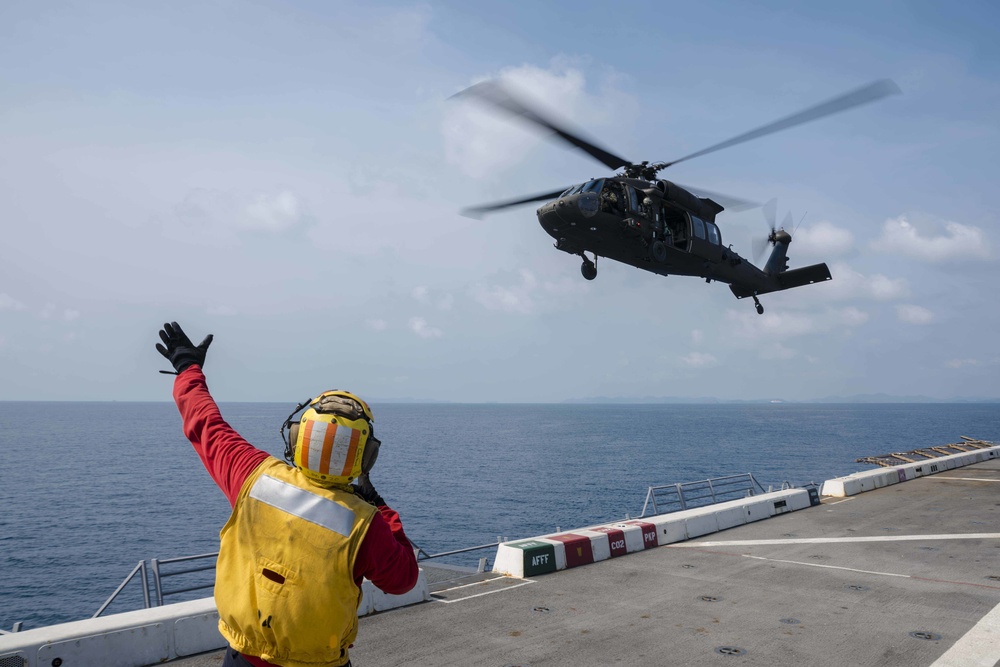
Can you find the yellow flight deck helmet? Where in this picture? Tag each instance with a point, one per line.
(334, 441)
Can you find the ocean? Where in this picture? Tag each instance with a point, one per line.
(93, 488)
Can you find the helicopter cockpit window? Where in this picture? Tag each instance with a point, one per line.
(594, 186)
(566, 192)
(577, 189)
(633, 202)
(699, 226)
(713, 232)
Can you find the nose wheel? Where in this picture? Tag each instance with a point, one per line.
(760, 308)
(588, 268)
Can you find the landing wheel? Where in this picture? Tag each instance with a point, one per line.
(760, 308)
(588, 269)
(658, 251)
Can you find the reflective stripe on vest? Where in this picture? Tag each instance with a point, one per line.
(303, 504)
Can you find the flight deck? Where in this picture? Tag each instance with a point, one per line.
(902, 574)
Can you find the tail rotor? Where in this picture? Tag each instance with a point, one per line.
(775, 233)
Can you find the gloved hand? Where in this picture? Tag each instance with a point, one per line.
(367, 492)
(178, 348)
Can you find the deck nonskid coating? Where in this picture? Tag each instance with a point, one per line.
(843, 583)
(855, 602)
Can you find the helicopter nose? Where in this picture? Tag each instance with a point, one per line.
(549, 216)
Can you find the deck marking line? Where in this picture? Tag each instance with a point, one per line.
(841, 540)
(978, 646)
(839, 501)
(831, 567)
(479, 595)
(909, 576)
(474, 583)
(959, 583)
(966, 479)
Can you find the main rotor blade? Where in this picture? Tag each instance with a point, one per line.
(728, 202)
(771, 213)
(759, 246)
(787, 222)
(499, 96)
(479, 211)
(873, 91)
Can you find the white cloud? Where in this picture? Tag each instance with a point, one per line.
(419, 326)
(446, 302)
(442, 302)
(849, 284)
(823, 238)
(513, 299)
(697, 336)
(698, 359)
(777, 351)
(482, 140)
(275, 213)
(772, 327)
(960, 242)
(376, 324)
(912, 314)
(8, 302)
(850, 317)
(209, 210)
(69, 314)
(959, 363)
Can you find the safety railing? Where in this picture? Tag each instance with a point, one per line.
(675, 497)
(158, 576)
(139, 569)
(154, 577)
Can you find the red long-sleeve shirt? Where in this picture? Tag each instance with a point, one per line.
(385, 556)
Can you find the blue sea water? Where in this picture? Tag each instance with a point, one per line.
(90, 489)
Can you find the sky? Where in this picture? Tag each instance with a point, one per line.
(288, 176)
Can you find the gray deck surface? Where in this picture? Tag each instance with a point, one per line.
(783, 601)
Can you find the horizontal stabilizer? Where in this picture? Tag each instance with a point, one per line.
(807, 275)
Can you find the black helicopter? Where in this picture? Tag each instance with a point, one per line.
(657, 225)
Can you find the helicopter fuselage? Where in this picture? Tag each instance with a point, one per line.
(656, 226)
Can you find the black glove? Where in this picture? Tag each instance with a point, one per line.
(367, 492)
(178, 348)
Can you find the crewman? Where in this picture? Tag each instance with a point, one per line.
(301, 537)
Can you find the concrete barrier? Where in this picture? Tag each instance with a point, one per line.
(566, 549)
(869, 480)
(151, 636)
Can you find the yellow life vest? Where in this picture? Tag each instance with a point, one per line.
(284, 582)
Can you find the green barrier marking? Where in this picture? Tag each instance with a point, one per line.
(539, 557)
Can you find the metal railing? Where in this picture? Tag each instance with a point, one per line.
(675, 497)
(153, 571)
(158, 576)
(423, 555)
(140, 568)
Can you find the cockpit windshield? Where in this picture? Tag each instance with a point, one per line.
(589, 186)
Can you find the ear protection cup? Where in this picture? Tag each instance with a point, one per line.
(333, 442)
(370, 453)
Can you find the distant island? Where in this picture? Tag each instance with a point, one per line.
(711, 400)
(708, 400)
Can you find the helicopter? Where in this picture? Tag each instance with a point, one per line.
(656, 225)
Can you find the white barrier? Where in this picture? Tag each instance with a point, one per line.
(558, 551)
(151, 636)
(869, 480)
